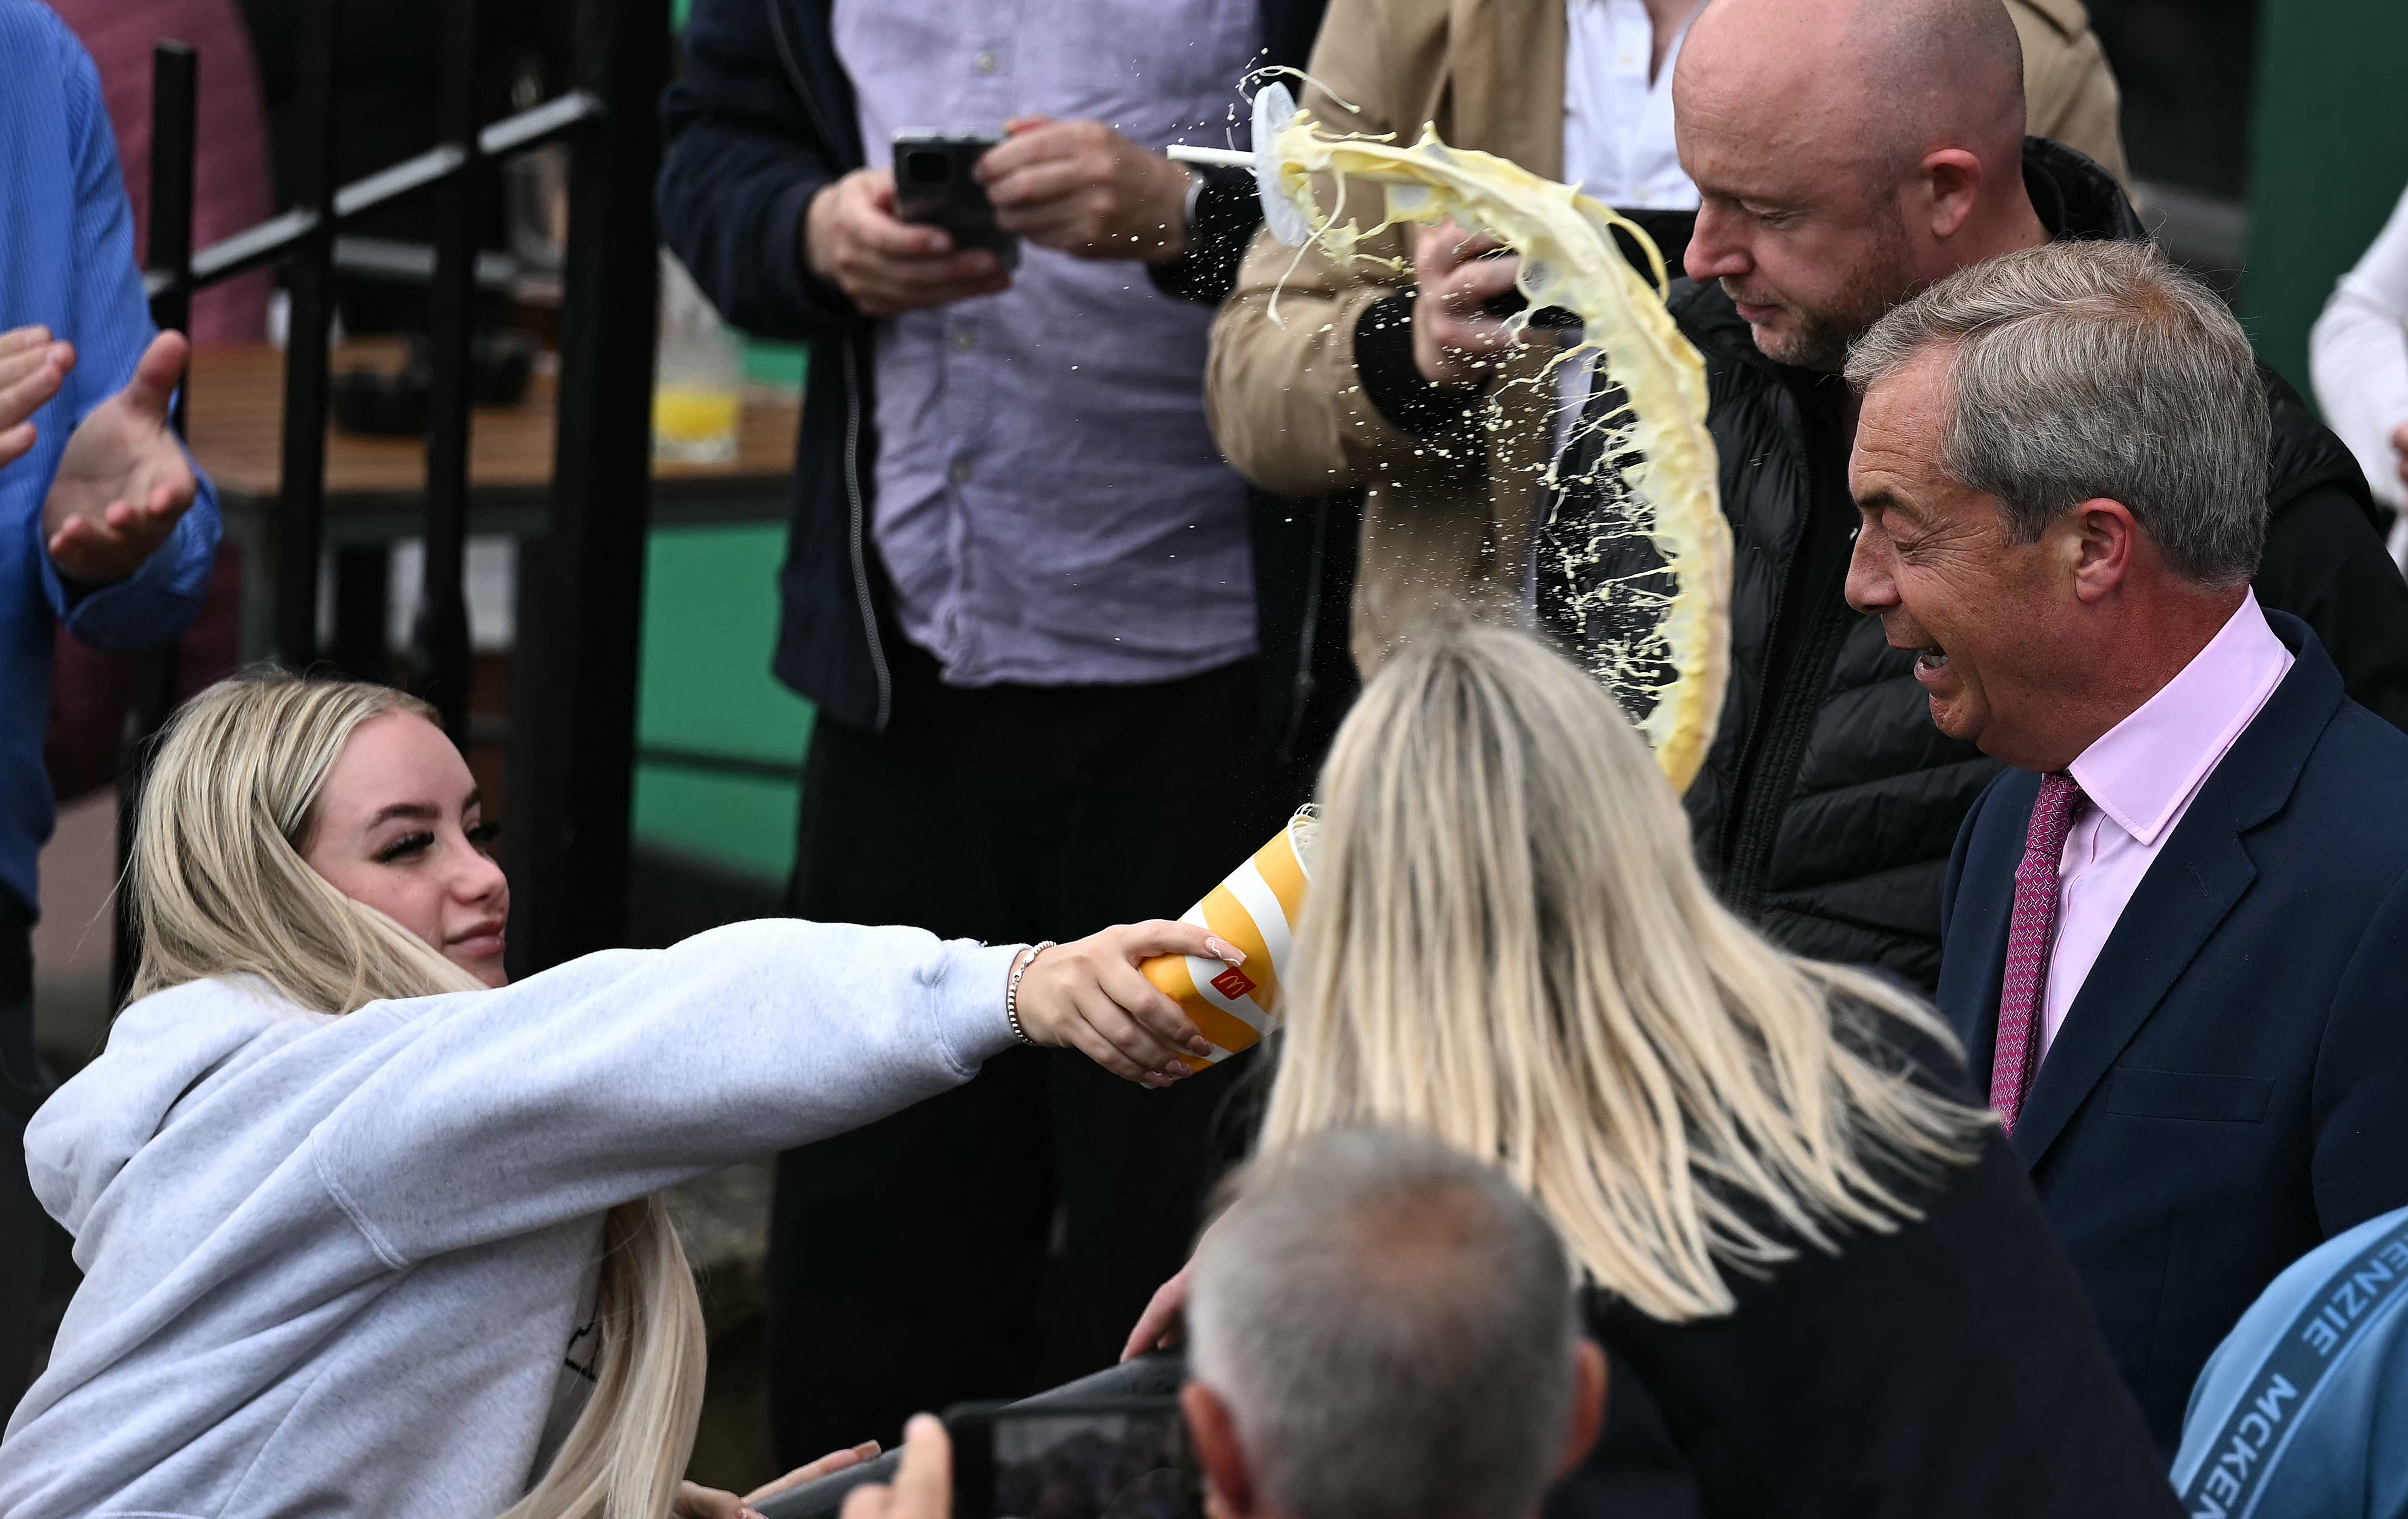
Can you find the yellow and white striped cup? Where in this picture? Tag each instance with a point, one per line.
(1257, 909)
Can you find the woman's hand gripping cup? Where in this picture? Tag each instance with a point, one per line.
(1090, 996)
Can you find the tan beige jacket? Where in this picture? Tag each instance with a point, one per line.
(2069, 93)
(1449, 518)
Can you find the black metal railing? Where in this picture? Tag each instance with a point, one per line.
(572, 710)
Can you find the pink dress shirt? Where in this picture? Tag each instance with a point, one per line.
(2141, 776)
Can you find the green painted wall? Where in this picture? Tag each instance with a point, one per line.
(2328, 158)
(710, 620)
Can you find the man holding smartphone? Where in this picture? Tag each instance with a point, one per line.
(1020, 589)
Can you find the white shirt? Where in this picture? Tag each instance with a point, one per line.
(2358, 357)
(2141, 775)
(1617, 121)
(1618, 144)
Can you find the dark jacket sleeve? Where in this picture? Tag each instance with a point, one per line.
(1228, 211)
(746, 154)
(2360, 1167)
(2326, 565)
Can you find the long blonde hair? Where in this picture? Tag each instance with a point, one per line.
(219, 888)
(1508, 943)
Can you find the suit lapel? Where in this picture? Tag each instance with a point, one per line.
(2193, 884)
(2190, 886)
(1977, 928)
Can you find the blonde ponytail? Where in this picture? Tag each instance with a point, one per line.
(219, 888)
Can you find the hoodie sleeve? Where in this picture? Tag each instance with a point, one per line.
(625, 1072)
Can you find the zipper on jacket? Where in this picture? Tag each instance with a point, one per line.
(859, 514)
(861, 530)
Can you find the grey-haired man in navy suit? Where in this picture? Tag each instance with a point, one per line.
(2177, 930)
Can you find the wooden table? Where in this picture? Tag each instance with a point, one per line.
(376, 486)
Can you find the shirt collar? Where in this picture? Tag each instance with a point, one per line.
(2140, 771)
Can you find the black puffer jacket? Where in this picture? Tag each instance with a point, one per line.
(1829, 801)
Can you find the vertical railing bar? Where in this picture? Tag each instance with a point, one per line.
(151, 685)
(573, 697)
(439, 640)
(309, 280)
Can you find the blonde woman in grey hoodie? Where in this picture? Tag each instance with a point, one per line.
(365, 1230)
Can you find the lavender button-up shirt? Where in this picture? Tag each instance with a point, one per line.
(1051, 507)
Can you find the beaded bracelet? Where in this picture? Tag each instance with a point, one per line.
(1020, 965)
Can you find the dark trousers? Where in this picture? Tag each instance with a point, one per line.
(1004, 1236)
(24, 1229)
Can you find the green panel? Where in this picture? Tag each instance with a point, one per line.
(710, 621)
(736, 822)
(778, 366)
(2328, 157)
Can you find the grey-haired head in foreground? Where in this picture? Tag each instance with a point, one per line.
(1393, 1327)
(2081, 370)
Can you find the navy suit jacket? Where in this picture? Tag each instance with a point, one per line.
(2229, 1088)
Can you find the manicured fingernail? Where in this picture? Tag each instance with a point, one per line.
(1199, 1045)
(866, 1449)
(1223, 950)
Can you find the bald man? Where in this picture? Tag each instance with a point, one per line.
(1846, 153)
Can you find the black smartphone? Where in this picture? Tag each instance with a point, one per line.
(936, 185)
(1117, 1459)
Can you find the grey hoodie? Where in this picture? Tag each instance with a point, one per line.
(330, 1264)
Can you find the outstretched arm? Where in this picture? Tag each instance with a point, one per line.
(489, 1114)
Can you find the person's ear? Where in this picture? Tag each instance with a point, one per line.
(1229, 1487)
(1588, 1404)
(2102, 542)
(1952, 183)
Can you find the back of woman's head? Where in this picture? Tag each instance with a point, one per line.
(218, 883)
(1508, 943)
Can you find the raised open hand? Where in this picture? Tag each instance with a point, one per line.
(33, 366)
(122, 480)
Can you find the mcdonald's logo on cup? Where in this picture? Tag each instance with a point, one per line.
(1232, 983)
(1256, 909)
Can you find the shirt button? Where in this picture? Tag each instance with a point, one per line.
(985, 63)
(965, 340)
(960, 473)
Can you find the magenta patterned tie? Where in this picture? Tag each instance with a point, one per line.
(2031, 933)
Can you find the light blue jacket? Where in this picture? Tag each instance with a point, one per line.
(2302, 1412)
